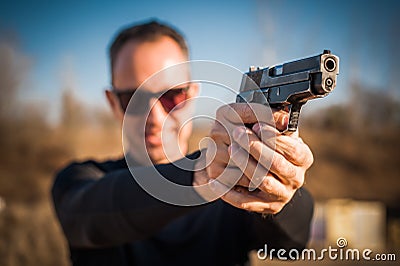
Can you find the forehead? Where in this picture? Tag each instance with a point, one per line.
(137, 61)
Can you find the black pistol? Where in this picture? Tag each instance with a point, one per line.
(291, 84)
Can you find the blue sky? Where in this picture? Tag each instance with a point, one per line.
(67, 41)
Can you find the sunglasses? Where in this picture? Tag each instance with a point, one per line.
(169, 99)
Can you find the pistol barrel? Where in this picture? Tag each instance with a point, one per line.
(292, 83)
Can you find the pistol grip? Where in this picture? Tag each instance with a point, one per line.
(294, 116)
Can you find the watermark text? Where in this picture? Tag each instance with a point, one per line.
(332, 253)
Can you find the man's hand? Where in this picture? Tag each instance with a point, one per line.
(262, 157)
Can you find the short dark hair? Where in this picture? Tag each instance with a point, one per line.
(145, 32)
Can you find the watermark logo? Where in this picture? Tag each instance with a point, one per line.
(331, 253)
(341, 242)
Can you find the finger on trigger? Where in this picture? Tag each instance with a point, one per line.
(281, 119)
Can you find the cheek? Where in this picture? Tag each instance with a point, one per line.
(184, 123)
(133, 128)
(185, 132)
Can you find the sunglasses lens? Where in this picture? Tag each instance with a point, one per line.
(169, 100)
(172, 98)
(140, 103)
(124, 99)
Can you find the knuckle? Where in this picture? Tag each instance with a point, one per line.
(277, 161)
(267, 185)
(276, 208)
(280, 195)
(217, 130)
(254, 148)
(214, 132)
(291, 171)
(310, 159)
(243, 139)
(244, 111)
(265, 208)
(288, 196)
(298, 181)
(244, 206)
(303, 155)
(219, 137)
(283, 167)
(221, 111)
(298, 154)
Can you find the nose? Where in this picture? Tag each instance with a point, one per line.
(157, 114)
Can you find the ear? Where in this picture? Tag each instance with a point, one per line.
(114, 104)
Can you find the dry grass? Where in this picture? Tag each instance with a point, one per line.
(353, 165)
(30, 235)
(32, 152)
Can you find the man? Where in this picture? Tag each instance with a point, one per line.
(108, 219)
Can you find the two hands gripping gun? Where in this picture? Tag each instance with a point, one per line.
(292, 84)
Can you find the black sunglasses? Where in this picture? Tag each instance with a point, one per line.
(169, 99)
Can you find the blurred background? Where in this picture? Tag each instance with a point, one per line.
(54, 68)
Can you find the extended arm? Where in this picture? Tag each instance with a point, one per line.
(98, 208)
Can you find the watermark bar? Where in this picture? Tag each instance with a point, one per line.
(340, 252)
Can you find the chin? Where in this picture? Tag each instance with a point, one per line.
(156, 156)
(160, 161)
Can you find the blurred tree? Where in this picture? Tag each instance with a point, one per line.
(14, 66)
(73, 115)
(369, 109)
(373, 109)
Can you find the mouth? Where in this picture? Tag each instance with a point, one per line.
(153, 139)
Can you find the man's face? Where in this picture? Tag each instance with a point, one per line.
(165, 133)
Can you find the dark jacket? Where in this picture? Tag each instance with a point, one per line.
(108, 219)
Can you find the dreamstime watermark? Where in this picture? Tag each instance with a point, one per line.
(340, 252)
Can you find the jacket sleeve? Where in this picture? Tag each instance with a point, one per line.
(289, 229)
(98, 209)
